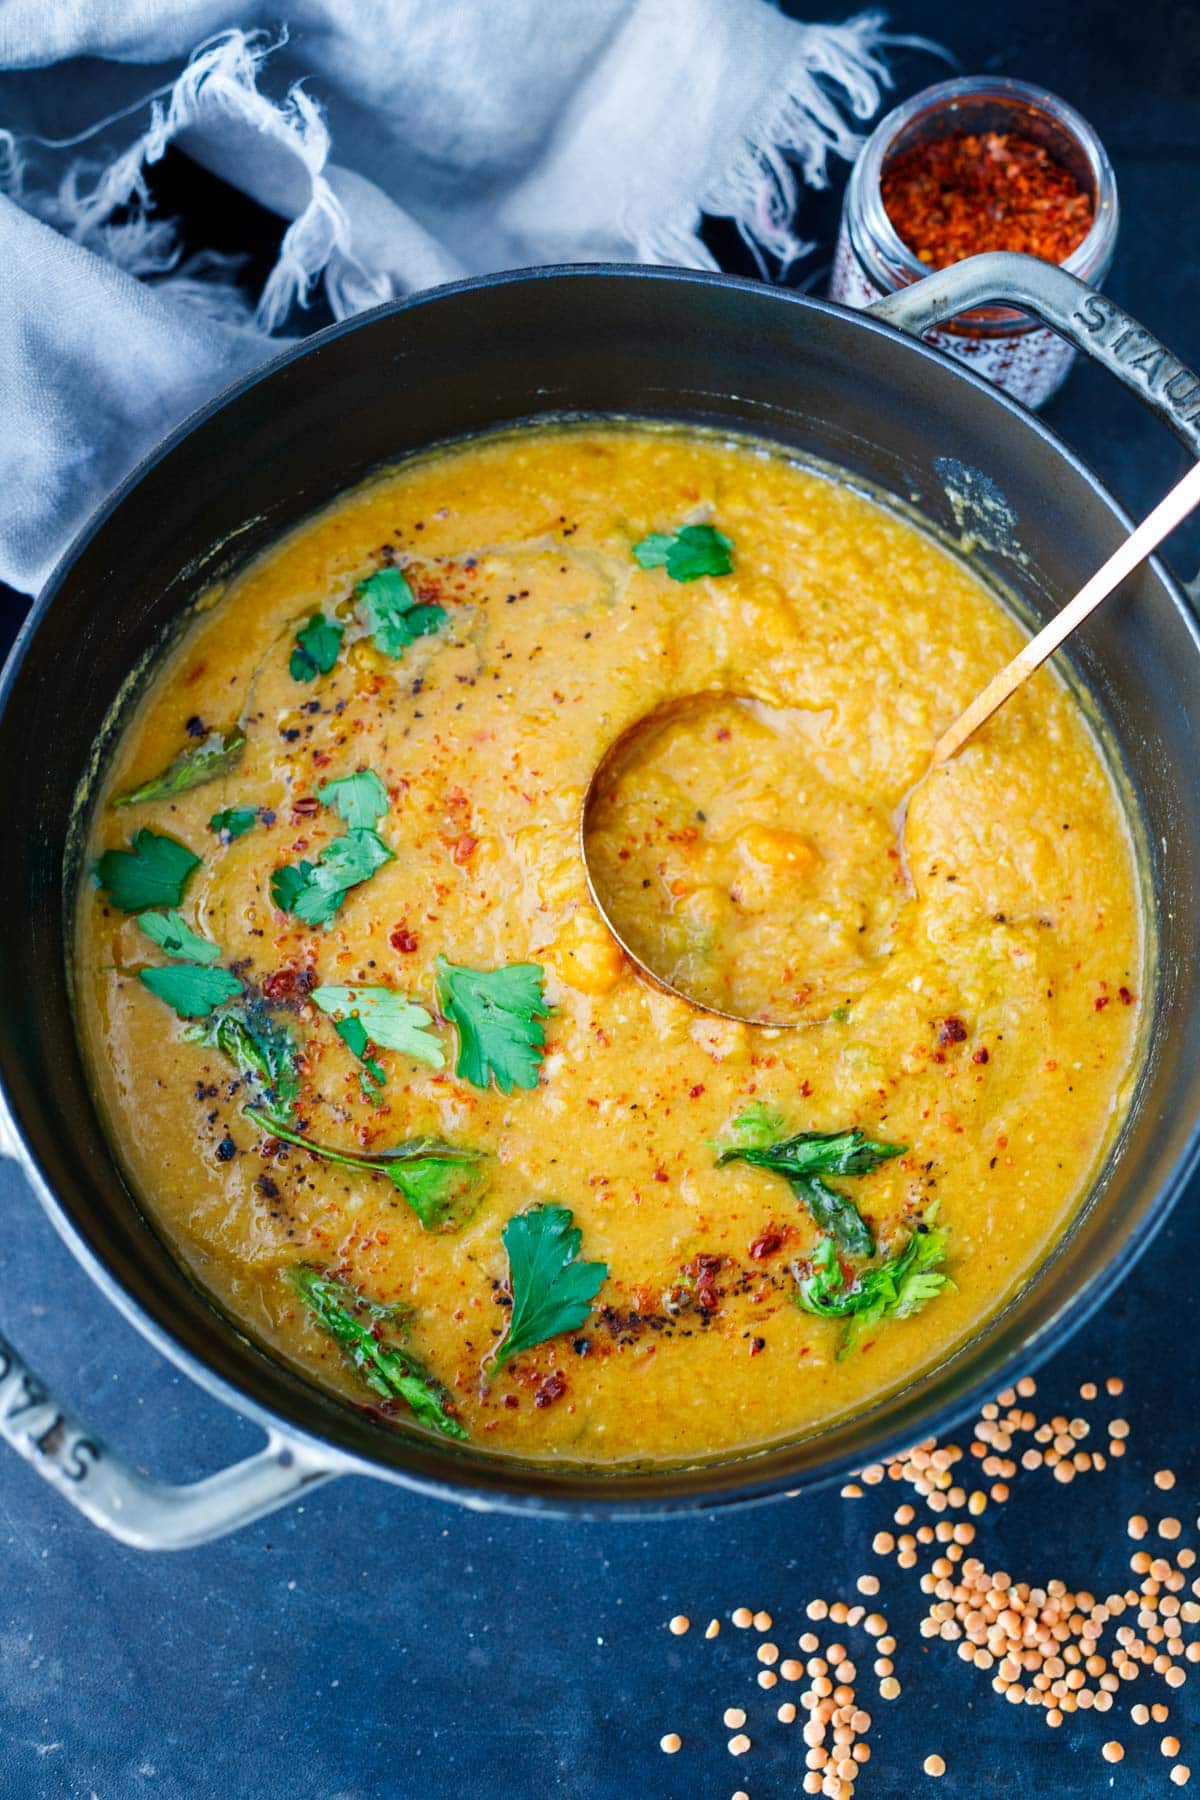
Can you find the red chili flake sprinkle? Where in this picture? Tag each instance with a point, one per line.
(1101, 1001)
(464, 847)
(984, 191)
(980, 1055)
(1125, 997)
(766, 1244)
(952, 1031)
(757, 1346)
(552, 1388)
(403, 941)
(288, 984)
(661, 1175)
(695, 1092)
(306, 805)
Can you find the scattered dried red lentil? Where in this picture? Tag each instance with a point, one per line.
(1044, 1647)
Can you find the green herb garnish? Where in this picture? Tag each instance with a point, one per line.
(443, 1183)
(262, 1050)
(754, 1129)
(356, 1326)
(498, 1014)
(372, 1077)
(392, 614)
(808, 1156)
(315, 891)
(232, 822)
(893, 1289)
(153, 872)
(193, 991)
(388, 1019)
(171, 932)
(552, 1291)
(316, 648)
(359, 800)
(686, 554)
(195, 764)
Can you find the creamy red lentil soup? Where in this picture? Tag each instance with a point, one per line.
(388, 1083)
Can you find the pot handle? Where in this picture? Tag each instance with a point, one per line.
(147, 1514)
(1070, 307)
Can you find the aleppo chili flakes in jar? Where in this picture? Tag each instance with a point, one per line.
(959, 195)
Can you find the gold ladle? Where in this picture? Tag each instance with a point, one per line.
(1141, 543)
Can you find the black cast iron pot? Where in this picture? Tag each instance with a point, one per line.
(845, 387)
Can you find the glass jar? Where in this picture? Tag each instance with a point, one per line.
(1010, 349)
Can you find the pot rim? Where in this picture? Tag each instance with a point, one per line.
(504, 1484)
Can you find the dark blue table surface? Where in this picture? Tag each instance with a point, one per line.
(369, 1643)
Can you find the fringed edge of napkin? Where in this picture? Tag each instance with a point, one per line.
(803, 120)
(107, 209)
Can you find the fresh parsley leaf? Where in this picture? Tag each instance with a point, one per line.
(193, 991)
(443, 1190)
(357, 799)
(443, 1183)
(816, 1153)
(316, 648)
(385, 597)
(392, 614)
(387, 1018)
(356, 1325)
(262, 1050)
(424, 620)
(171, 932)
(686, 554)
(805, 1158)
(834, 1211)
(195, 764)
(497, 1013)
(315, 891)
(901, 1285)
(232, 822)
(552, 1291)
(153, 872)
(373, 1076)
(756, 1127)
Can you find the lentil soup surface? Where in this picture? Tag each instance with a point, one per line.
(988, 1018)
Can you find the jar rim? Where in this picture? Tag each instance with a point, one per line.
(1090, 257)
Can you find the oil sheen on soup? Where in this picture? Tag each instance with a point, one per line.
(392, 1089)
